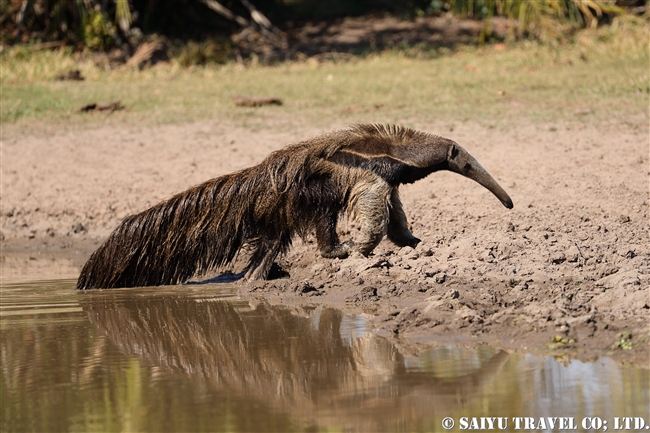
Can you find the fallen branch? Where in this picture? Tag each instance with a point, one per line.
(102, 106)
(267, 27)
(242, 101)
(74, 75)
(225, 12)
(259, 22)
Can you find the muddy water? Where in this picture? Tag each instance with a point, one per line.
(197, 358)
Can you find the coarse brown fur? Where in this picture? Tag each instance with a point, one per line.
(303, 187)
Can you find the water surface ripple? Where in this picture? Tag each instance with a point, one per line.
(197, 358)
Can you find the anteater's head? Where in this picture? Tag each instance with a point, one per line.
(460, 161)
(433, 153)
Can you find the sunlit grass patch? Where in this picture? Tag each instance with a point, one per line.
(599, 72)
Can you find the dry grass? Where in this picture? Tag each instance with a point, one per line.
(600, 72)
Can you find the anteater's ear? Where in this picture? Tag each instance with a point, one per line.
(452, 153)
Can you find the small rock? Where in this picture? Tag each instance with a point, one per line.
(452, 294)
(377, 263)
(572, 254)
(558, 258)
(78, 228)
(431, 272)
(629, 254)
(306, 287)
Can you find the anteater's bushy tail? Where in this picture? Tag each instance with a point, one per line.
(204, 227)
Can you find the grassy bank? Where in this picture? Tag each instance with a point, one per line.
(600, 73)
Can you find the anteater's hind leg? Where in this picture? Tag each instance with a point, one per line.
(259, 265)
(398, 231)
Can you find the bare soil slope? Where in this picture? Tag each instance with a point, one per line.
(568, 268)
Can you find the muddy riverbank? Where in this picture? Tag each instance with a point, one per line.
(567, 271)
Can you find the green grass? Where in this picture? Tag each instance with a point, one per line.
(598, 74)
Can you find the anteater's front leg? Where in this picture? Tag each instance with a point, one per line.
(370, 205)
(328, 240)
(398, 231)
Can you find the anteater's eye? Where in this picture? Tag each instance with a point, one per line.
(468, 166)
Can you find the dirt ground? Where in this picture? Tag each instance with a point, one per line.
(566, 272)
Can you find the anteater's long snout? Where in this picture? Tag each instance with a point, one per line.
(461, 162)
